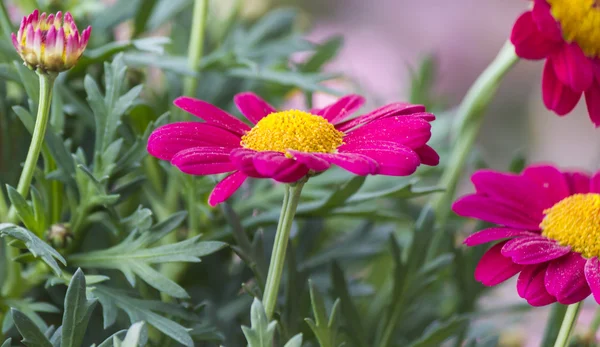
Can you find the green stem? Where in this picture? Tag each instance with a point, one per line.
(553, 324)
(196, 45)
(470, 116)
(567, 325)
(282, 236)
(13, 276)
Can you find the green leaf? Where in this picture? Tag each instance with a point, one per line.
(138, 310)
(24, 211)
(261, 331)
(133, 257)
(7, 343)
(137, 335)
(272, 24)
(36, 246)
(437, 333)
(109, 342)
(324, 53)
(164, 11)
(29, 80)
(350, 313)
(30, 308)
(78, 311)
(32, 335)
(305, 81)
(295, 341)
(323, 326)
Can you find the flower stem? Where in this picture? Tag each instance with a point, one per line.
(196, 45)
(557, 314)
(13, 275)
(282, 236)
(470, 116)
(567, 325)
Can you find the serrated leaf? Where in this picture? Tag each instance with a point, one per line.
(323, 326)
(24, 211)
(133, 257)
(32, 335)
(7, 343)
(138, 310)
(78, 310)
(36, 246)
(325, 52)
(348, 309)
(261, 331)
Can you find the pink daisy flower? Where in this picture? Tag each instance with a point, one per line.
(549, 232)
(289, 145)
(566, 33)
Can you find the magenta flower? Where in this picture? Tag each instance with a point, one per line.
(288, 145)
(567, 35)
(549, 232)
(49, 43)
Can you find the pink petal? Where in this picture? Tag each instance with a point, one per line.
(396, 109)
(530, 286)
(551, 180)
(243, 159)
(342, 108)
(557, 96)
(565, 279)
(224, 189)
(15, 42)
(410, 131)
(513, 190)
(578, 182)
(595, 183)
(486, 209)
(428, 155)
(268, 163)
(393, 159)
(252, 106)
(533, 250)
(592, 100)
(529, 42)
(204, 160)
(495, 234)
(592, 276)
(545, 21)
(85, 37)
(169, 139)
(291, 173)
(573, 68)
(312, 162)
(356, 163)
(493, 268)
(211, 114)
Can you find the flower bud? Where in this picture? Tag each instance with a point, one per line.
(50, 43)
(59, 235)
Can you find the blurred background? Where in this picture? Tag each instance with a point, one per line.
(386, 40)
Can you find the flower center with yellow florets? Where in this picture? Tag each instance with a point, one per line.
(580, 23)
(293, 130)
(575, 221)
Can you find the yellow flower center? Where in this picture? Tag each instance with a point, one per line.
(580, 22)
(575, 221)
(295, 130)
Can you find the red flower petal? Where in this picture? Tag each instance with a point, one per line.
(358, 164)
(494, 268)
(592, 100)
(530, 286)
(211, 114)
(252, 106)
(578, 182)
(393, 159)
(557, 96)
(572, 67)
(396, 109)
(342, 108)
(495, 234)
(224, 189)
(489, 210)
(169, 139)
(592, 276)
(533, 250)
(565, 279)
(428, 155)
(204, 161)
(529, 42)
